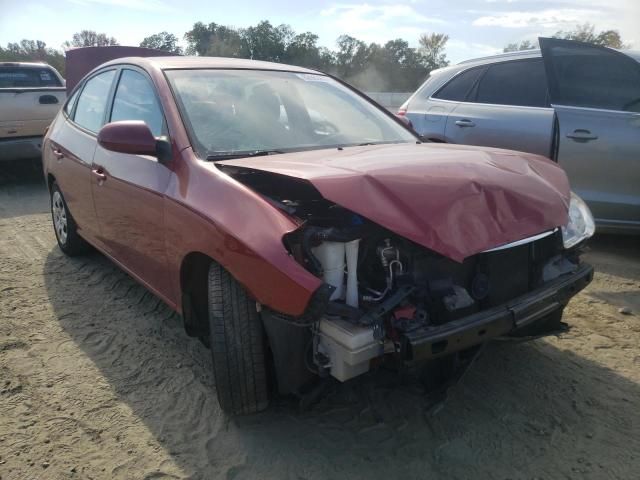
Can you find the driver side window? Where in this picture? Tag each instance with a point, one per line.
(135, 99)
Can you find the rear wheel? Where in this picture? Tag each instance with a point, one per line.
(237, 345)
(64, 226)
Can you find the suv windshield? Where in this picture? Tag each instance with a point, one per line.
(27, 77)
(257, 112)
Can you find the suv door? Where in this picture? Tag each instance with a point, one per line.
(72, 143)
(428, 113)
(128, 190)
(596, 95)
(506, 108)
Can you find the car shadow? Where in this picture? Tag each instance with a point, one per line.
(524, 410)
(22, 189)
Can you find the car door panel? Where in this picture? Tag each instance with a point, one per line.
(430, 118)
(527, 129)
(129, 198)
(602, 164)
(129, 189)
(71, 167)
(596, 95)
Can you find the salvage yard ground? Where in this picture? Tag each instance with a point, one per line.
(98, 380)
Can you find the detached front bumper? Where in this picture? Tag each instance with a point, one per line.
(430, 342)
(20, 148)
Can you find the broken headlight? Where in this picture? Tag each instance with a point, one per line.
(580, 225)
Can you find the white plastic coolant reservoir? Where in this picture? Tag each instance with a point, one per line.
(351, 249)
(349, 347)
(331, 257)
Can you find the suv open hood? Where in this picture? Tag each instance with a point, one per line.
(455, 200)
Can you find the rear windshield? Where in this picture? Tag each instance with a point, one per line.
(25, 77)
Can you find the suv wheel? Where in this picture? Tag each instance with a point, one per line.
(237, 345)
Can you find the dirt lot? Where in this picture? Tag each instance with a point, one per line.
(98, 380)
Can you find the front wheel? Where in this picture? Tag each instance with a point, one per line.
(64, 226)
(237, 345)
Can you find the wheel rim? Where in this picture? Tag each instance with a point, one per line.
(59, 217)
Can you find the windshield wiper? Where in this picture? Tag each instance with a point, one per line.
(242, 154)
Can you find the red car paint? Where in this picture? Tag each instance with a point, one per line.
(151, 217)
(455, 200)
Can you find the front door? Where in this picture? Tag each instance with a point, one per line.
(596, 95)
(128, 190)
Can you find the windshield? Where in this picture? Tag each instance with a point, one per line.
(250, 111)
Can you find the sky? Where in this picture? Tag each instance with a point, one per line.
(475, 27)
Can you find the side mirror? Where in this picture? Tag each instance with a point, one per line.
(404, 120)
(132, 137)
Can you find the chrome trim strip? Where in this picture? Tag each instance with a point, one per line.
(523, 241)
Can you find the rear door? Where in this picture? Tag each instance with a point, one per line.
(507, 108)
(428, 111)
(30, 97)
(71, 146)
(128, 190)
(596, 95)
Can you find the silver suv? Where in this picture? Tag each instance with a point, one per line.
(573, 102)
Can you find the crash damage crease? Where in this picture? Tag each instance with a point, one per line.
(454, 200)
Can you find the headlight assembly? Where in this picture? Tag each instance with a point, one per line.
(580, 226)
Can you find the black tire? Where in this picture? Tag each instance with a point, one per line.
(237, 345)
(64, 225)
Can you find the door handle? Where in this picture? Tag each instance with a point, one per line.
(581, 135)
(57, 153)
(99, 174)
(465, 123)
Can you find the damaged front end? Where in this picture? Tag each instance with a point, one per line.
(386, 295)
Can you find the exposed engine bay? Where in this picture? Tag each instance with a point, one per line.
(384, 294)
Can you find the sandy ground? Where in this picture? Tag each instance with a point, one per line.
(98, 380)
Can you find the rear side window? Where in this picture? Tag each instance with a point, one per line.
(596, 78)
(135, 99)
(460, 86)
(93, 101)
(521, 83)
(28, 77)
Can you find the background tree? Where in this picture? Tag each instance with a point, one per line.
(162, 41)
(432, 46)
(33, 51)
(587, 33)
(524, 45)
(89, 38)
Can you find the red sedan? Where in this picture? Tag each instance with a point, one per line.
(299, 228)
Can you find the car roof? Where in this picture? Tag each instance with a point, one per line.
(189, 62)
(532, 53)
(25, 64)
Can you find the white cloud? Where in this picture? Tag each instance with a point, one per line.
(378, 23)
(551, 18)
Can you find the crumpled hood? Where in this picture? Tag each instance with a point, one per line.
(455, 200)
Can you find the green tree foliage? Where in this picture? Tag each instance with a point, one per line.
(587, 33)
(162, 41)
(89, 38)
(582, 33)
(32, 51)
(432, 46)
(524, 45)
(393, 66)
